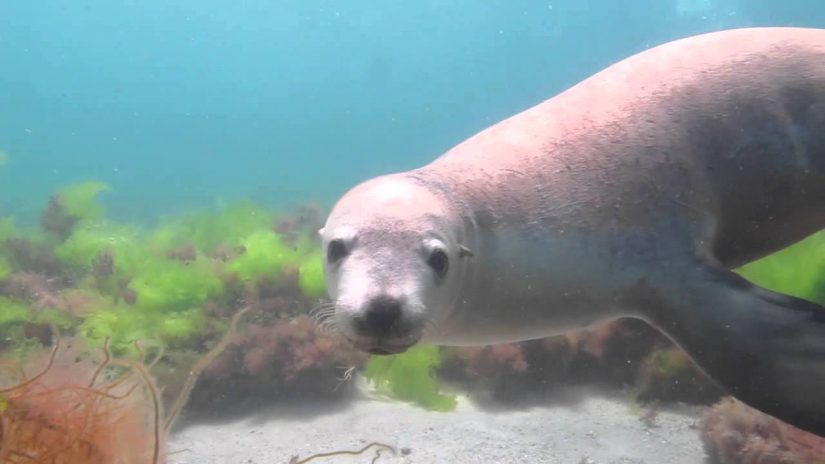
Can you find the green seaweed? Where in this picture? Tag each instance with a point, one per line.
(265, 256)
(80, 200)
(168, 294)
(5, 268)
(164, 285)
(410, 377)
(208, 230)
(798, 270)
(16, 316)
(12, 312)
(91, 239)
(311, 275)
(123, 325)
(168, 300)
(8, 229)
(49, 316)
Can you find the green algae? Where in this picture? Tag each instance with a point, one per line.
(169, 294)
(145, 294)
(81, 200)
(206, 230)
(16, 316)
(798, 270)
(5, 268)
(165, 285)
(265, 255)
(311, 275)
(8, 229)
(124, 325)
(16, 312)
(12, 312)
(89, 240)
(410, 376)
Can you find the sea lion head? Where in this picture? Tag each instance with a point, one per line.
(392, 262)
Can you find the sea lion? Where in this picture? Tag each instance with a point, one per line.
(631, 194)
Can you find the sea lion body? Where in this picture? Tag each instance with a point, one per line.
(632, 193)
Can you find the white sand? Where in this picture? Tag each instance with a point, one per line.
(596, 428)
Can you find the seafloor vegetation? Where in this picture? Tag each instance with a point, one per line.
(103, 323)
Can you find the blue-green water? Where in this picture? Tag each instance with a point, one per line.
(186, 103)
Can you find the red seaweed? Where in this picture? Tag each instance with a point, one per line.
(734, 433)
(68, 413)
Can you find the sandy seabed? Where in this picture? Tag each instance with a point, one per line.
(587, 428)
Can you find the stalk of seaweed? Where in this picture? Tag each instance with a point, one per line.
(379, 445)
(26, 383)
(154, 395)
(199, 366)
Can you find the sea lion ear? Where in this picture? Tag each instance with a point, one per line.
(463, 251)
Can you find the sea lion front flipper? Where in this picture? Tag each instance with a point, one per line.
(764, 348)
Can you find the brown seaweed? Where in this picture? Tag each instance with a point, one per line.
(380, 446)
(75, 412)
(68, 413)
(734, 433)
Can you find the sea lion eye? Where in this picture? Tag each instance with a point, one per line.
(336, 251)
(439, 262)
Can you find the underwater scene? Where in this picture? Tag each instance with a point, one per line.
(166, 296)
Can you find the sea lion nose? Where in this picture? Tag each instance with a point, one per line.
(381, 316)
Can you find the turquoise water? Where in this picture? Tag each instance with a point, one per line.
(186, 103)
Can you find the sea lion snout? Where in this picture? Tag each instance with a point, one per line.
(380, 317)
(384, 325)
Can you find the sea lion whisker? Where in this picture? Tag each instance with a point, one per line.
(321, 308)
(317, 318)
(327, 326)
(321, 312)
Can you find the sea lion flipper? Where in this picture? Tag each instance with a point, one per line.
(766, 349)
